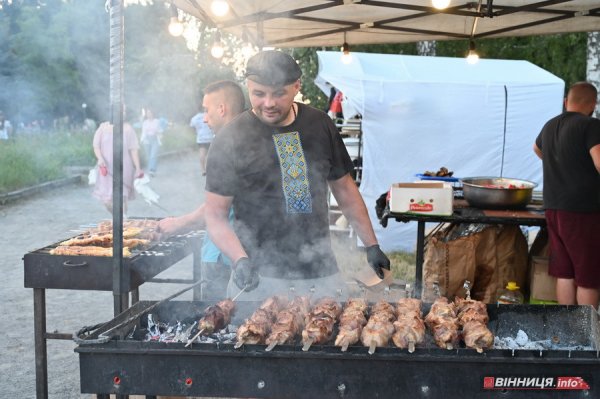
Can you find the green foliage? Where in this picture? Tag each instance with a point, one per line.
(563, 55)
(34, 158)
(38, 157)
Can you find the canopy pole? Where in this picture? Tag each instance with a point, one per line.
(120, 275)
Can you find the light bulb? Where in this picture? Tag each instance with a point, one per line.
(219, 8)
(440, 4)
(175, 27)
(346, 56)
(217, 50)
(472, 58)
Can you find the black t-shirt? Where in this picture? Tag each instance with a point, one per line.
(278, 178)
(571, 181)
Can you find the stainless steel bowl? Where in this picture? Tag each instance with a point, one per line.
(497, 198)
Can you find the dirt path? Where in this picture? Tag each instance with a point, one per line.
(36, 222)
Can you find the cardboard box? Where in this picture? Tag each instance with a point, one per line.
(542, 286)
(422, 198)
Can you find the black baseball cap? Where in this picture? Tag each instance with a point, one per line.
(273, 68)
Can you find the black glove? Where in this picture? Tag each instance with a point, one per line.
(377, 260)
(245, 273)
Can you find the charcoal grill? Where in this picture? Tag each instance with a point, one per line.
(76, 272)
(219, 370)
(45, 271)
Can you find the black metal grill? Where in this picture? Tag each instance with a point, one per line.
(80, 272)
(220, 370)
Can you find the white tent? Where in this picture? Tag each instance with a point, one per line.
(293, 23)
(422, 113)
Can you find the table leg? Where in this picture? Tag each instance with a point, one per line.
(197, 272)
(41, 354)
(419, 260)
(135, 296)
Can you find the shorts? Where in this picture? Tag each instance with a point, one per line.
(204, 145)
(217, 277)
(574, 249)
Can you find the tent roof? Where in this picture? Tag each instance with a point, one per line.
(293, 23)
(410, 68)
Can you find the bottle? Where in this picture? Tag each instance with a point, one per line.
(511, 295)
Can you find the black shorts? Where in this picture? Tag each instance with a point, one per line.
(204, 145)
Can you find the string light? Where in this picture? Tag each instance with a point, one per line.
(175, 27)
(472, 58)
(440, 4)
(217, 50)
(219, 8)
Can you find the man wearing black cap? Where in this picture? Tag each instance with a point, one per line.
(275, 163)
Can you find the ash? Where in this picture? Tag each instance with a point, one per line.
(521, 341)
(152, 329)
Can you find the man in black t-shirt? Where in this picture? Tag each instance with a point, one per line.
(569, 146)
(275, 164)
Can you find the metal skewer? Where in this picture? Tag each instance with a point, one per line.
(239, 344)
(307, 344)
(239, 293)
(372, 347)
(272, 345)
(411, 346)
(436, 288)
(195, 336)
(466, 287)
(386, 292)
(345, 346)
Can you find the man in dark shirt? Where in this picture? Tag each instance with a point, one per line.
(569, 146)
(275, 163)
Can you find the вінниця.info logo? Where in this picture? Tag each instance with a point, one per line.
(534, 383)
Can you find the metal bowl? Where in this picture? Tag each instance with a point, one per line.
(497, 198)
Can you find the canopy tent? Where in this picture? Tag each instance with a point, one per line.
(422, 113)
(292, 23)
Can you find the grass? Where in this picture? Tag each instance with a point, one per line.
(351, 260)
(33, 158)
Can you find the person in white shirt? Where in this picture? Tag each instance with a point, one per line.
(4, 127)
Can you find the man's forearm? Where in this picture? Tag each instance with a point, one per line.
(224, 237)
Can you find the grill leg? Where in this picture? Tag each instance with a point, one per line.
(419, 260)
(135, 296)
(41, 354)
(197, 272)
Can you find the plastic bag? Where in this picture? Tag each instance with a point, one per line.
(92, 175)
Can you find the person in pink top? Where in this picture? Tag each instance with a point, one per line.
(103, 148)
(151, 131)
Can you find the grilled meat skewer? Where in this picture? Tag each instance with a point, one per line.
(379, 328)
(258, 326)
(410, 329)
(320, 322)
(473, 317)
(217, 317)
(442, 320)
(352, 321)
